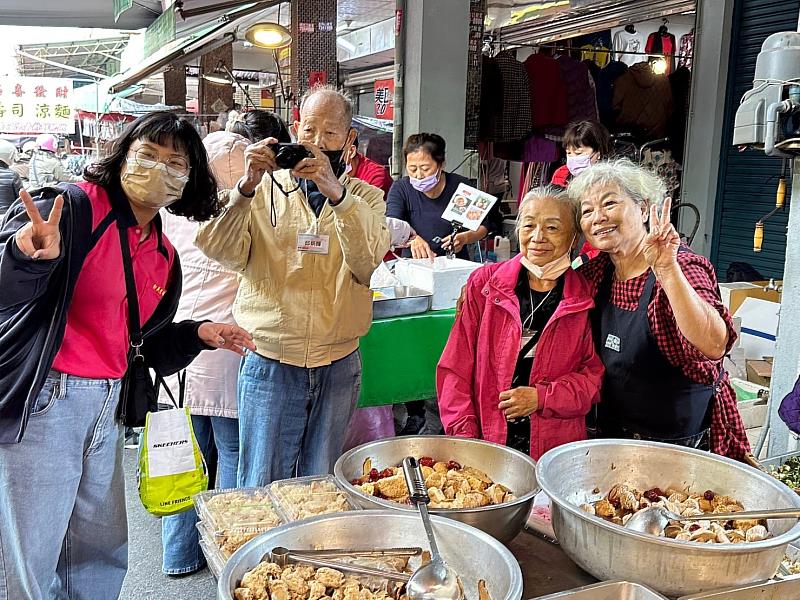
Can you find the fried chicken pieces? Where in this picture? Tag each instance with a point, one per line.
(449, 485)
(269, 581)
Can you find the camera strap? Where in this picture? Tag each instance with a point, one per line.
(273, 215)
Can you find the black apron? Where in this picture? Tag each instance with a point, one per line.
(643, 396)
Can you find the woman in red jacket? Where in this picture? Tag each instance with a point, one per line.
(520, 367)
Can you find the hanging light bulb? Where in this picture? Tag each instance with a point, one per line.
(659, 65)
(268, 35)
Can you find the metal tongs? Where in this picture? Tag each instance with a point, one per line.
(318, 558)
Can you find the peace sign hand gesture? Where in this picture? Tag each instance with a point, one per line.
(662, 241)
(40, 239)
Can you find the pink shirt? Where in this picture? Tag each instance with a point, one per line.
(96, 338)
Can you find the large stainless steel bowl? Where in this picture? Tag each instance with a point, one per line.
(570, 473)
(513, 469)
(473, 554)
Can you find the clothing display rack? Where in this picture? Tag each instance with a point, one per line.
(578, 49)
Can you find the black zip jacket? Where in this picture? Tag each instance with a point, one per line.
(35, 296)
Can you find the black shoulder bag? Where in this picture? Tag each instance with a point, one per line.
(139, 394)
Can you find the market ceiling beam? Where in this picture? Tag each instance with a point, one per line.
(53, 63)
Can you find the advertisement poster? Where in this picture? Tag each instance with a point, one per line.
(36, 105)
(384, 99)
(469, 207)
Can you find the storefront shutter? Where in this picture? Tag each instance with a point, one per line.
(748, 180)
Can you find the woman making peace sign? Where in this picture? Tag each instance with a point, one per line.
(659, 324)
(64, 344)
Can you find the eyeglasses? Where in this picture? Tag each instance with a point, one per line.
(148, 159)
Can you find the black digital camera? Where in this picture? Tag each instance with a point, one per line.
(288, 155)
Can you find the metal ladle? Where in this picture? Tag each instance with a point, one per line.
(435, 580)
(654, 519)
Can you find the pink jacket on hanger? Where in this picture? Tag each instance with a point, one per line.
(481, 354)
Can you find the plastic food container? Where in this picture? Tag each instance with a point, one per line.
(444, 277)
(307, 497)
(223, 510)
(215, 564)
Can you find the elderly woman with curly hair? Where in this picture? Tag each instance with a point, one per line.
(659, 324)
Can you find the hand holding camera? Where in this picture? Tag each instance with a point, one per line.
(259, 158)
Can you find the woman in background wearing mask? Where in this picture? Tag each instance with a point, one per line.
(520, 367)
(63, 526)
(586, 143)
(419, 200)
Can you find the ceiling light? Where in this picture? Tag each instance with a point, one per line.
(268, 35)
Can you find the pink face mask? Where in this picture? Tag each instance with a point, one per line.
(576, 164)
(425, 184)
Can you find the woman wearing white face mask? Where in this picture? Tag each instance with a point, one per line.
(520, 367)
(420, 199)
(66, 342)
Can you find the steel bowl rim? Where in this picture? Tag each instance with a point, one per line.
(517, 579)
(542, 480)
(351, 489)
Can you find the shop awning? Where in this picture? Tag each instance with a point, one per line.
(590, 18)
(190, 45)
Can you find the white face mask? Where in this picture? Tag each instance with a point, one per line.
(152, 187)
(552, 270)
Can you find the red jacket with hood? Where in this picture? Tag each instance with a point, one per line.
(480, 357)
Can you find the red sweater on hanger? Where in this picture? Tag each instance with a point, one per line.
(663, 44)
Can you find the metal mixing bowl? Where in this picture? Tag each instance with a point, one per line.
(569, 474)
(471, 553)
(513, 469)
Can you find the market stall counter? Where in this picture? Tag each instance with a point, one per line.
(399, 357)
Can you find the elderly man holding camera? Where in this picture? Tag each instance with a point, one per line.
(305, 239)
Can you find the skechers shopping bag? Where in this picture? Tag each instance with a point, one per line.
(171, 467)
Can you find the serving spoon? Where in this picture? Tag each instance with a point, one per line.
(654, 519)
(435, 580)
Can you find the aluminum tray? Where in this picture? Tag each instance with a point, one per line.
(785, 589)
(399, 301)
(609, 590)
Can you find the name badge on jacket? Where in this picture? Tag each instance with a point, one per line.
(313, 243)
(613, 342)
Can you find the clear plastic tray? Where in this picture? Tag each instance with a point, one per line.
(213, 558)
(237, 510)
(230, 540)
(307, 497)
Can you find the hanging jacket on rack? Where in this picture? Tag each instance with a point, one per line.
(548, 93)
(643, 101)
(605, 92)
(663, 44)
(515, 121)
(686, 50)
(680, 82)
(581, 95)
(491, 98)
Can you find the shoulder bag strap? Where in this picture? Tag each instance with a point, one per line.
(134, 327)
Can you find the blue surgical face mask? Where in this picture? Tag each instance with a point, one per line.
(426, 184)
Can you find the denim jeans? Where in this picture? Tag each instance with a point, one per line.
(293, 420)
(63, 525)
(218, 438)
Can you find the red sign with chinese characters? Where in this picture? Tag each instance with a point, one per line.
(384, 99)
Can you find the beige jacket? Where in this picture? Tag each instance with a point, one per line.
(303, 309)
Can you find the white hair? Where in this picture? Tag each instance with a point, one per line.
(332, 92)
(548, 191)
(638, 183)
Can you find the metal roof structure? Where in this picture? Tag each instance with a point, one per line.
(99, 56)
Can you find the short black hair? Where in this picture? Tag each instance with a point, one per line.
(591, 134)
(199, 200)
(430, 143)
(258, 124)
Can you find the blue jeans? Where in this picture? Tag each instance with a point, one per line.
(293, 420)
(216, 436)
(63, 525)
